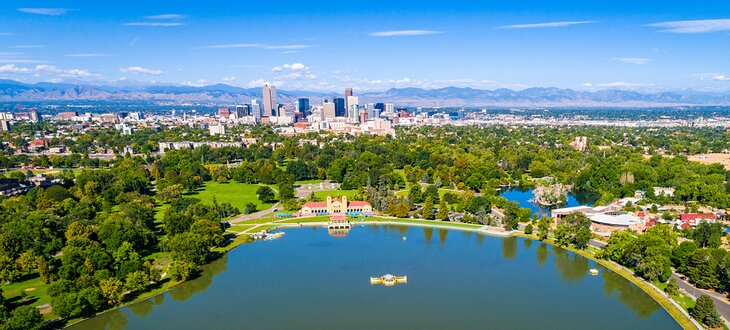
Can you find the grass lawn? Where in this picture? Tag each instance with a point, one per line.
(35, 290)
(322, 195)
(240, 228)
(305, 182)
(238, 194)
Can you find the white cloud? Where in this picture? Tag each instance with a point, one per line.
(292, 67)
(693, 26)
(44, 11)
(632, 60)
(545, 25)
(154, 24)
(403, 33)
(198, 83)
(623, 84)
(11, 68)
(166, 16)
(141, 70)
(257, 83)
(5, 34)
(586, 85)
(721, 77)
(11, 53)
(229, 79)
(87, 55)
(38, 70)
(260, 46)
(28, 46)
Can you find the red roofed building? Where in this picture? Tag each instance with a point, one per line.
(693, 219)
(334, 205)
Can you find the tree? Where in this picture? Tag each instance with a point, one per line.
(672, 288)
(286, 191)
(427, 211)
(137, 281)
(528, 229)
(399, 210)
(112, 289)
(543, 228)
(170, 192)
(249, 208)
(24, 318)
(415, 194)
(708, 234)
(266, 194)
(443, 212)
(705, 312)
(182, 270)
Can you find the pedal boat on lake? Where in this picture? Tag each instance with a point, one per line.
(388, 280)
(594, 271)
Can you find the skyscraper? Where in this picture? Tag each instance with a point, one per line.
(256, 110)
(348, 91)
(348, 94)
(270, 104)
(339, 107)
(303, 106)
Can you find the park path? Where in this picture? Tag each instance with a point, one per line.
(304, 190)
(254, 215)
(721, 302)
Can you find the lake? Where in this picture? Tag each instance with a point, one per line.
(524, 195)
(456, 280)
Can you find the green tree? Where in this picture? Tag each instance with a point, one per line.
(24, 318)
(443, 212)
(415, 194)
(708, 234)
(543, 228)
(528, 229)
(672, 288)
(427, 211)
(112, 289)
(705, 312)
(266, 194)
(182, 270)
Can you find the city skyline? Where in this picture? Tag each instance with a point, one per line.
(650, 46)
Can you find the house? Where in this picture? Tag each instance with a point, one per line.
(10, 187)
(688, 220)
(334, 205)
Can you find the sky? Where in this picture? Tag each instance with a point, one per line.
(370, 45)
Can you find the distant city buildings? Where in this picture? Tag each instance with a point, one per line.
(270, 104)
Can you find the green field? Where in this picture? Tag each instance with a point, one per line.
(238, 194)
(322, 195)
(34, 289)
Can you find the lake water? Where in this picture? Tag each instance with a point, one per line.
(456, 280)
(524, 195)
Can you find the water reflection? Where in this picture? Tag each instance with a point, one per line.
(630, 295)
(527, 243)
(442, 236)
(111, 320)
(509, 247)
(542, 253)
(428, 235)
(572, 267)
(142, 308)
(186, 290)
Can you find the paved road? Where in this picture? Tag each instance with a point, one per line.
(721, 302)
(254, 215)
(304, 190)
(597, 244)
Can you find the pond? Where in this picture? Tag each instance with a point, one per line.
(456, 280)
(523, 196)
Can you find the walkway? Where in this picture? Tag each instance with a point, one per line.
(721, 302)
(254, 215)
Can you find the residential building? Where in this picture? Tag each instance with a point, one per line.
(217, 129)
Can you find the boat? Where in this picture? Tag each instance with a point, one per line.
(388, 280)
(594, 271)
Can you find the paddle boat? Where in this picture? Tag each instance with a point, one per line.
(388, 280)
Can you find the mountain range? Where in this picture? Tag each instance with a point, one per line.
(14, 91)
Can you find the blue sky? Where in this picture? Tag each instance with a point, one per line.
(371, 45)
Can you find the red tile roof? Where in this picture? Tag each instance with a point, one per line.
(695, 216)
(358, 203)
(314, 205)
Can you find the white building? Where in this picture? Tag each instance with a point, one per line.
(217, 129)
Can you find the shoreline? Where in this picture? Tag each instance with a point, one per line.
(671, 307)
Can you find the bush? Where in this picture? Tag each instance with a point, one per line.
(528, 229)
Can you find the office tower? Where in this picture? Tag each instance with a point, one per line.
(389, 108)
(303, 106)
(328, 110)
(270, 104)
(224, 113)
(255, 110)
(339, 106)
(352, 107)
(33, 114)
(217, 130)
(4, 125)
(348, 91)
(242, 111)
(380, 107)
